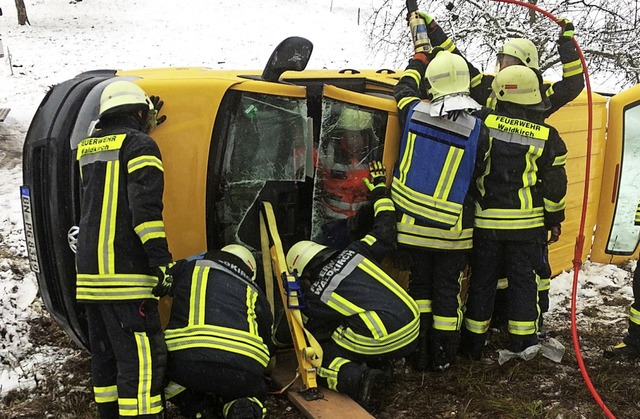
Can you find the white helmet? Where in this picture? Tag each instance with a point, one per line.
(517, 84)
(244, 254)
(123, 96)
(447, 74)
(301, 254)
(522, 49)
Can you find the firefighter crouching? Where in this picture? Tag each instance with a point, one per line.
(218, 336)
(441, 155)
(360, 315)
(521, 195)
(122, 253)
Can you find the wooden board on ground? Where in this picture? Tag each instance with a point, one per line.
(332, 405)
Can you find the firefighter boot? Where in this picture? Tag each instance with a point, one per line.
(108, 410)
(421, 355)
(245, 408)
(372, 382)
(443, 347)
(542, 332)
(622, 350)
(472, 344)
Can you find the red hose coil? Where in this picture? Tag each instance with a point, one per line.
(577, 257)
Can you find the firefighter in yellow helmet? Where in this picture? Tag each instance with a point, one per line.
(630, 345)
(343, 158)
(441, 154)
(359, 314)
(122, 257)
(219, 336)
(521, 195)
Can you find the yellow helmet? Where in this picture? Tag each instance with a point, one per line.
(522, 49)
(517, 84)
(244, 254)
(301, 254)
(447, 74)
(123, 96)
(354, 120)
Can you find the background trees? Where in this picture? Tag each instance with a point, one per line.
(608, 32)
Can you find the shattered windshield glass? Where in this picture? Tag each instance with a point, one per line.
(350, 137)
(268, 140)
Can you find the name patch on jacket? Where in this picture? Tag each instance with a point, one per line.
(517, 126)
(332, 274)
(100, 144)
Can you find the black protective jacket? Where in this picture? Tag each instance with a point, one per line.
(122, 235)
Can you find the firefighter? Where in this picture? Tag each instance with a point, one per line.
(441, 154)
(122, 257)
(630, 345)
(521, 195)
(359, 314)
(219, 336)
(521, 51)
(343, 165)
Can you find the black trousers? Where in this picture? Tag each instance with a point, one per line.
(634, 313)
(128, 358)
(519, 260)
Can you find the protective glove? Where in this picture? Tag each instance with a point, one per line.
(566, 30)
(157, 105)
(428, 19)
(555, 234)
(165, 281)
(432, 54)
(378, 174)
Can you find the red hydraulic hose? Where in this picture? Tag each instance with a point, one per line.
(577, 256)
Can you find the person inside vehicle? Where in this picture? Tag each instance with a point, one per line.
(441, 155)
(218, 336)
(359, 314)
(122, 257)
(521, 196)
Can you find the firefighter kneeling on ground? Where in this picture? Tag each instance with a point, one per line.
(218, 336)
(361, 316)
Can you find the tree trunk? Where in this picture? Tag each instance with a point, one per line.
(22, 13)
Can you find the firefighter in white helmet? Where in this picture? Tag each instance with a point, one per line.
(343, 160)
(219, 336)
(441, 155)
(122, 257)
(360, 315)
(521, 195)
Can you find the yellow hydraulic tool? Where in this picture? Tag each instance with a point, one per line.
(307, 349)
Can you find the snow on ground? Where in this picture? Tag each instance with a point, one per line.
(68, 37)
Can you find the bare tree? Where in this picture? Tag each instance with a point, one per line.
(607, 31)
(23, 19)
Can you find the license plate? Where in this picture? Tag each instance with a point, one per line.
(29, 233)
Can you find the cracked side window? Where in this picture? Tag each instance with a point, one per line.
(268, 140)
(350, 137)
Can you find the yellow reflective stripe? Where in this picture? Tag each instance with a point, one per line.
(252, 297)
(402, 103)
(426, 206)
(634, 315)
(105, 394)
(509, 224)
(150, 230)
(368, 239)
(522, 327)
(544, 284)
(373, 270)
(447, 176)
(476, 80)
(551, 206)
(95, 287)
(477, 327)
(448, 45)
(436, 238)
(147, 403)
(509, 213)
(330, 373)
(129, 407)
(343, 306)
(405, 163)
(529, 177)
(374, 324)
(414, 74)
(424, 306)
(571, 68)
(144, 161)
(503, 284)
(449, 324)
(549, 91)
(517, 126)
(366, 345)
(173, 389)
(560, 160)
(100, 144)
(116, 280)
(198, 295)
(106, 234)
(384, 204)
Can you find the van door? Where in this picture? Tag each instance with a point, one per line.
(616, 238)
(355, 129)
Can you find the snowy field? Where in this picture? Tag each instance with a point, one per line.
(68, 37)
